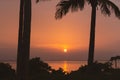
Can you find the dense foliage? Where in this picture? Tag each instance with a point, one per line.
(39, 70)
(6, 72)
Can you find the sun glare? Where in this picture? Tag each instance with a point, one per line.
(65, 50)
(65, 66)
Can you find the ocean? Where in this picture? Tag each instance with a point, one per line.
(65, 65)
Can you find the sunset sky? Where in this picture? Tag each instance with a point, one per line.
(49, 37)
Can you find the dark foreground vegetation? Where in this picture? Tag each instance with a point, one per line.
(38, 70)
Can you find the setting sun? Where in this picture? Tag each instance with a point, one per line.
(65, 50)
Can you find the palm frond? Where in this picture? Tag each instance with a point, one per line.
(81, 4)
(63, 7)
(76, 4)
(93, 3)
(107, 7)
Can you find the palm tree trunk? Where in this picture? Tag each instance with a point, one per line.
(26, 37)
(92, 36)
(20, 41)
(24, 40)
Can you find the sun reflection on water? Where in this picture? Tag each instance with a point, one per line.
(65, 66)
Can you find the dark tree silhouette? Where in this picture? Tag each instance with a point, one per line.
(115, 60)
(24, 39)
(59, 74)
(106, 7)
(6, 72)
(20, 39)
(96, 71)
(39, 70)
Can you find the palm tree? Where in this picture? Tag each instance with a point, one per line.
(106, 7)
(24, 39)
(19, 70)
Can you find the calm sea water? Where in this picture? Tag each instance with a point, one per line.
(65, 65)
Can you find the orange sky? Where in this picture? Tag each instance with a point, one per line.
(49, 36)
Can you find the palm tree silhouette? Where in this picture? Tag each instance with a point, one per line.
(20, 43)
(106, 7)
(24, 39)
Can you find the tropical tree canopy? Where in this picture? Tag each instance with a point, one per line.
(64, 6)
(106, 6)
